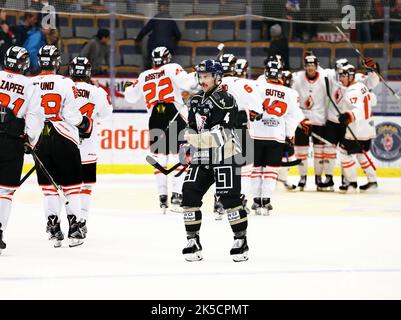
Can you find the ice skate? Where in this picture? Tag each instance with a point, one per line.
(2, 243)
(257, 206)
(83, 227)
(244, 204)
(351, 187)
(75, 234)
(54, 231)
(369, 187)
(328, 185)
(218, 209)
(163, 203)
(318, 182)
(302, 183)
(266, 206)
(239, 251)
(176, 200)
(193, 250)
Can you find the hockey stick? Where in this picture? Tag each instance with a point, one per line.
(152, 161)
(349, 129)
(220, 47)
(363, 58)
(27, 175)
(49, 177)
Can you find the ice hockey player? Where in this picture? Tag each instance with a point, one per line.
(281, 115)
(289, 151)
(358, 117)
(94, 103)
(334, 130)
(20, 113)
(241, 68)
(212, 116)
(311, 87)
(58, 148)
(161, 88)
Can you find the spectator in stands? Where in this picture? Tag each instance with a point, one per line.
(52, 37)
(97, 51)
(163, 32)
(395, 27)
(26, 24)
(279, 45)
(7, 38)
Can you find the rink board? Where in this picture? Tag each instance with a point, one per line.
(124, 144)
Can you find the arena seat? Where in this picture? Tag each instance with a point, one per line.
(84, 26)
(206, 7)
(256, 31)
(195, 31)
(222, 30)
(131, 27)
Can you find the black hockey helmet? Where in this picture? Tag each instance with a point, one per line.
(311, 59)
(286, 76)
(211, 66)
(241, 68)
(80, 67)
(161, 56)
(49, 57)
(16, 59)
(228, 61)
(273, 70)
(274, 57)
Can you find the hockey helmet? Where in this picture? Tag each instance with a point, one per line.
(49, 57)
(273, 70)
(286, 76)
(161, 56)
(228, 61)
(16, 59)
(80, 67)
(241, 68)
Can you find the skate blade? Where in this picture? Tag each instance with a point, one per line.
(75, 242)
(218, 216)
(258, 211)
(349, 191)
(164, 210)
(57, 243)
(266, 212)
(301, 188)
(177, 209)
(192, 257)
(328, 189)
(370, 190)
(240, 257)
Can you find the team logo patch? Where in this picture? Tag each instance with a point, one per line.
(200, 121)
(387, 144)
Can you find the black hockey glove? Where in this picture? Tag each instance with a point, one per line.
(253, 115)
(85, 127)
(371, 64)
(345, 118)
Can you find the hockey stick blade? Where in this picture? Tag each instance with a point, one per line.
(291, 163)
(159, 167)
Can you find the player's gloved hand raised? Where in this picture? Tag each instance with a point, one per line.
(85, 127)
(345, 118)
(306, 126)
(370, 64)
(253, 115)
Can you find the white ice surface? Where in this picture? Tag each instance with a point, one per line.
(313, 246)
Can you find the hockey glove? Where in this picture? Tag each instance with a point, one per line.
(253, 115)
(85, 127)
(345, 118)
(370, 64)
(306, 126)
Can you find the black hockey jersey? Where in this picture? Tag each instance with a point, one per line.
(211, 119)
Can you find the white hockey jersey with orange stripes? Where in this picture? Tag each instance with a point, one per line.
(94, 103)
(337, 91)
(162, 84)
(243, 90)
(58, 99)
(313, 96)
(359, 103)
(281, 112)
(18, 93)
